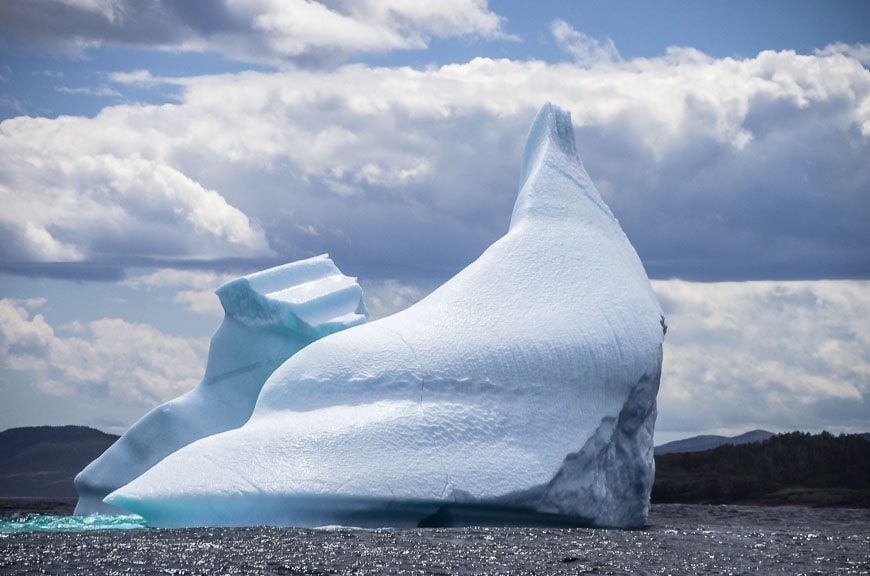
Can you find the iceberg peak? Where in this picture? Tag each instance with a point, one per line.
(553, 182)
(551, 132)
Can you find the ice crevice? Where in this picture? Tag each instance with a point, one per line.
(413, 352)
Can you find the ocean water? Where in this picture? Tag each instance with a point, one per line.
(679, 539)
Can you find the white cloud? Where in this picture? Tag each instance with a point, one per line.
(128, 362)
(385, 297)
(11, 104)
(23, 340)
(28, 303)
(101, 91)
(271, 31)
(172, 277)
(860, 52)
(71, 196)
(774, 355)
(139, 77)
(584, 49)
(194, 289)
(716, 167)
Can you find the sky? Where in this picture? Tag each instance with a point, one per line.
(151, 151)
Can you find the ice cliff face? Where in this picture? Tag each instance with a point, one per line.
(269, 316)
(521, 391)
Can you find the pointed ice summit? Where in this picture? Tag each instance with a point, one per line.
(521, 391)
(269, 315)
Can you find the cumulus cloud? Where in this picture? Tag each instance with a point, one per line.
(584, 49)
(388, 296)
(69, 196)
(272, 31)
(717, 168)
(129, 362)
(774, 355)
(194, 289)
(23, 340)
(860, 52)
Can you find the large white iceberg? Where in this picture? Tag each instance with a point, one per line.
(269, 316)
(521, 391)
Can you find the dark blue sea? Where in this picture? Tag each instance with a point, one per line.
(679, 539)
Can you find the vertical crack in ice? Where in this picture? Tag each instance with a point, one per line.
(444, 470)
(436, 449)
(448, 485)
(417, 370)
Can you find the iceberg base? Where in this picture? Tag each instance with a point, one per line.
(314, 511)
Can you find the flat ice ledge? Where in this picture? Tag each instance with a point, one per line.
(309, 296)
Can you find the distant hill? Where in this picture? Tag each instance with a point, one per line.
(41, 461)
(710, 441)
(794, 468)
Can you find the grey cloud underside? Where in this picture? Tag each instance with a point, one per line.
(136, 23)
(297, 32)
(789, 205)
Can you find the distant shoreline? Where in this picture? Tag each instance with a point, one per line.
(19, 505)
(795, 468)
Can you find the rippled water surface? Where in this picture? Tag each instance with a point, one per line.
(680, 539)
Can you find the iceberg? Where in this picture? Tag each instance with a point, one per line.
(521, 391)
(268, 316)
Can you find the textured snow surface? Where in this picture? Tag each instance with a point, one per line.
(269, 316)
(524, 385)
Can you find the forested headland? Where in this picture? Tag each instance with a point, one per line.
(792, 468)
